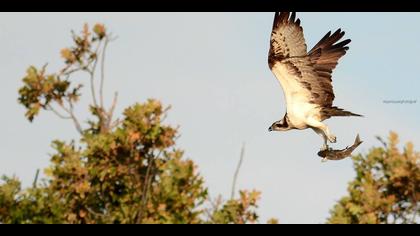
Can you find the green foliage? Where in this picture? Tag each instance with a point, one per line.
(49, 91)
(386, 188)
(132, 174)
(33, 205)
(41, 89)
(126, 170)
(238, 211)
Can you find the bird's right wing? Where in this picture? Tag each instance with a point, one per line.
(287, 39)
(287, 58)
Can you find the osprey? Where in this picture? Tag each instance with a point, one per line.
(305, 76)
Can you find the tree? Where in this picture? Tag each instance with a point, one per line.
(386, 188)
(124, 170)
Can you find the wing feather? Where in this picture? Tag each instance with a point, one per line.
(287, 39)
(311, 70)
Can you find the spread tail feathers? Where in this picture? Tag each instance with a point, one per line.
(335, 111)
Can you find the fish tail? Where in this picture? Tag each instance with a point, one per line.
(357, 141)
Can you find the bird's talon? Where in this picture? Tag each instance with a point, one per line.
(332, 138)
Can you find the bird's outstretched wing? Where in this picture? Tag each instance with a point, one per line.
(304, 76)
(287, 38)
(324, 56)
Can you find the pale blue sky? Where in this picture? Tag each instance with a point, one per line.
(212, 68)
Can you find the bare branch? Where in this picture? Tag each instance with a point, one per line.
(145, 190)
(67, 73)
(165, 114)
(116, 123)
(92, 76)
(112, 38)
(209, 214)
(147, 184)
(50, 108)
(235, 176)
(112, 109)
(70, 116)
(73, 117)
(35, 183)
(382, 141)
(92, 88)
(101, 86)
(77, 124)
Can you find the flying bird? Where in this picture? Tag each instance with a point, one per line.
(305, 76)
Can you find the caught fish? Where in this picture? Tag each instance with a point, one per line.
(331, 154)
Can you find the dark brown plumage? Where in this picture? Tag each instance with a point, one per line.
(314, 68)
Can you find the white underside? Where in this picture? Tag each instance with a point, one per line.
(299, 110)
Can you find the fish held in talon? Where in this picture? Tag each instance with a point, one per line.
(331, 154)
